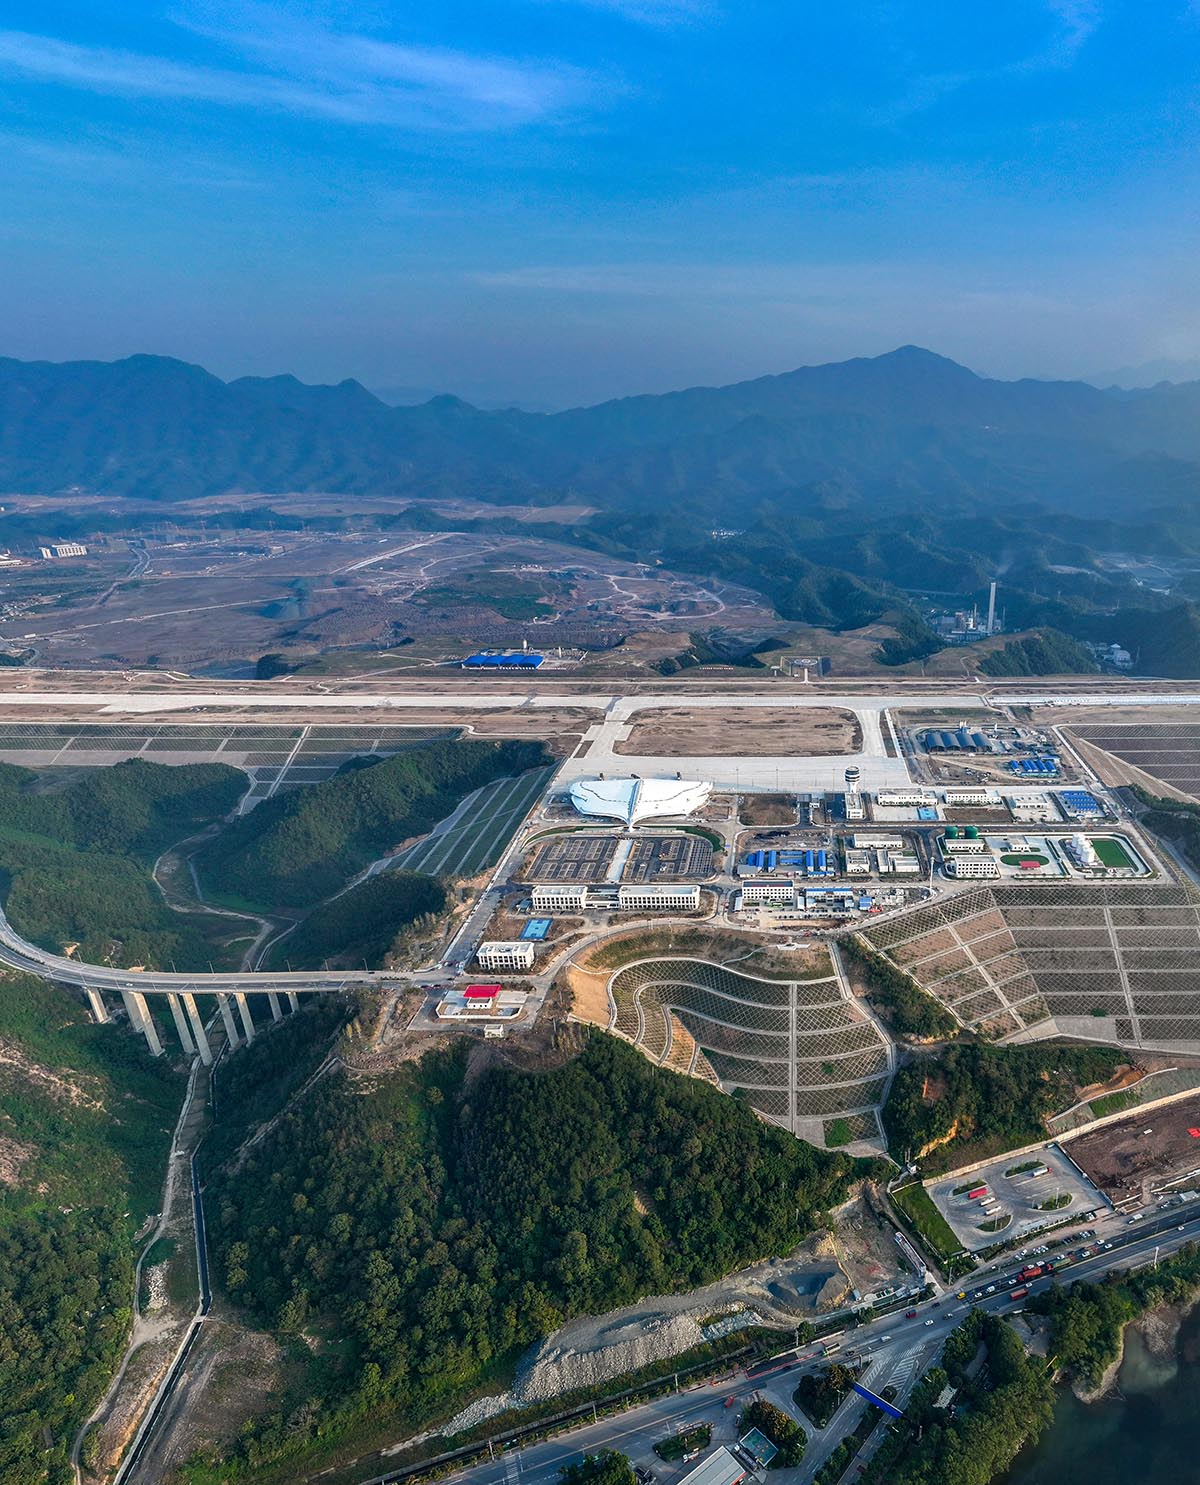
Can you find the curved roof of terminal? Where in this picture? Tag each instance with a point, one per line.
(631, 799)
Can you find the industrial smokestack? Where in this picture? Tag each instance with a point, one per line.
(991, 623)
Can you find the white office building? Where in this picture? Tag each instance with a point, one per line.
(973, 866)
(768, 889)
(498, 953)
(649, 899)
(569, 897)
(982, 797)
(906, 798)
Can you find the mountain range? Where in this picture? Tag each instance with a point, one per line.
(907, 429)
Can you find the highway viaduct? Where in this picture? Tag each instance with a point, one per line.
(137, 987)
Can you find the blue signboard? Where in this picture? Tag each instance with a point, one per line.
(873, 1397)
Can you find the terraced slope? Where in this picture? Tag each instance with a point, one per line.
(1111, 963)
(800, 1052)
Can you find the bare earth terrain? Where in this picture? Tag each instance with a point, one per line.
(744, 732)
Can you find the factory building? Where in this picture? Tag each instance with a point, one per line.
(858, 863)
(521, 660)
(876, 842)
(658, 899)
(1078, 804)
(568, 898)
(498, 953)
(962, 740)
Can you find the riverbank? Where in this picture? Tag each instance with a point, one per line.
(1144, 1427)
(1159, 1330)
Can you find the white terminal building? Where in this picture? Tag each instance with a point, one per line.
(631, 800)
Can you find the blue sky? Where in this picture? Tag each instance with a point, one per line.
(561, 200)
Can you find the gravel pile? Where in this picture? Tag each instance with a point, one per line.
(554, 1369)
(478, 1412)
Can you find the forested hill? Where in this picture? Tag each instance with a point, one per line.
(76, 853)
(909, 426)
(300, 847)
(85, 1126)
(435, 1223)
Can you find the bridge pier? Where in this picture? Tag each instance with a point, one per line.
(273, 1002)
(198, 1032)
(181, 1026)
(139, 1017)
(96, 1005)
(244, 1011)
(231, 1035)
(293, 1000)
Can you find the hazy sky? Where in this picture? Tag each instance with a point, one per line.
(560, 200)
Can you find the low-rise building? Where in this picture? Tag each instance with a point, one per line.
(875, 841)
(904, 864)
(858, 863)
(637, 898)
(982, 797)
(569, 897)
(768, 889)
(63, 549)
(964, 845)
(721, 1467)
(481, 1003)
(973, 866)
(499, 953)
(904, 798)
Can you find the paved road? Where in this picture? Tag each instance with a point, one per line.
(18, 953)
(900, 1350)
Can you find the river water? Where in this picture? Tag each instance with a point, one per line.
(1146, 1430)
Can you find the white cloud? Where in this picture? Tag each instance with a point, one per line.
(652, 12)
(344, 77)
(1074, 22)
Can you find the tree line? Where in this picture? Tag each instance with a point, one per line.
(304, 845)
(992, 1098)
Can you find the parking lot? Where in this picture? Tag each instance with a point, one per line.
(575, 858)
(615, 857)
(1022, 1195)
(669, 858)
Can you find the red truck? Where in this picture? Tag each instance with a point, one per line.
(1030, 1272)
(975, 1194)
(1019, 1293)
